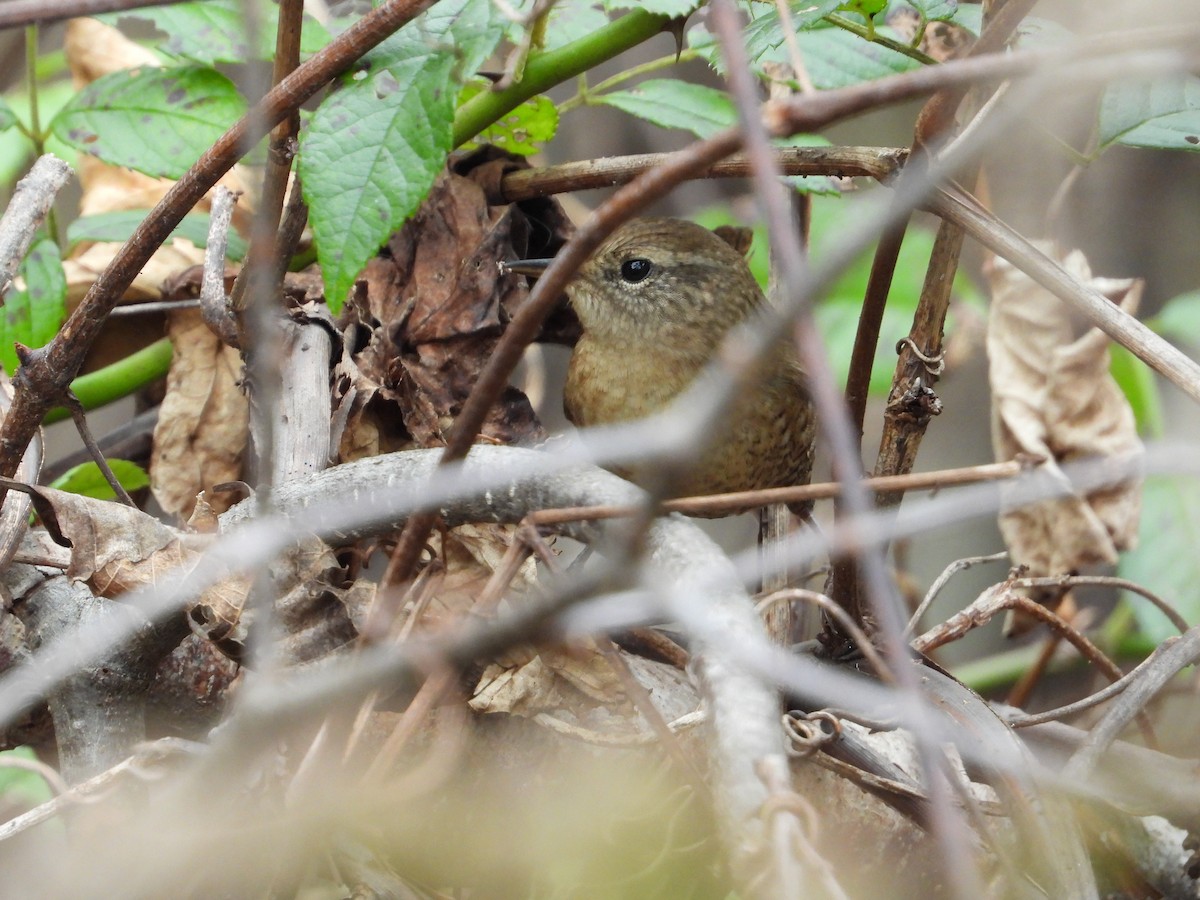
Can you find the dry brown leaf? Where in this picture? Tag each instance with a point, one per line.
(203, 424)
(469, 555)
(1053, 397)
(576, 691)
(526, 682)
(114, 548)
(315, 606)
(429, 311)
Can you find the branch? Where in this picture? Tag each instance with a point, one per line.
(355, 499)
(1182, 652)
(880, 163)
(1123, 328)
(30, 203)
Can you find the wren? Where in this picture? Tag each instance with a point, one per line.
(655, 301)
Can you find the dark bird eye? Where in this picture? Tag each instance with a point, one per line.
(635, 270)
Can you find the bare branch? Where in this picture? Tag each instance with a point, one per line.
(31, 201)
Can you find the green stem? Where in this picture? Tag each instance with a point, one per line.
(544, 70)
(870, 34)
(35, 123)
(35, 118)
(663, 62)
(119, 380)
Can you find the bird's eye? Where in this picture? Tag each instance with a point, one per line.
(635, 270)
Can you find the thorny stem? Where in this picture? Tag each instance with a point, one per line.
(89, 441)
(585, 94)
(869, 33)
(544, 70)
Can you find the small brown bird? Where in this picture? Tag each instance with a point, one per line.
(655, 301)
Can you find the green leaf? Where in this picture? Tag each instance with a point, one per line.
(837, 58)
(87, 480)
(1162, 113)
(33, 313)
(374, 148)
(970, 17)
(1165, 559)
(157, 121)
(16, 150)
(765, 32)
(8, 118)
(118, 226)
(834, 58)
(676, 9)
(215, 31)
(935, 10)
(1179, 319)
(670, 103)
(703, 111)
(523, 131)
(865, 8)
(1136, 381)
(570, 22)
(22, 787)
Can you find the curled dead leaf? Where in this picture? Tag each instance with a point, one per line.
(428, 313)
(577, 691)
(203, 424)
(1053, 397)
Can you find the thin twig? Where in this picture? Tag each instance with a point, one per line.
(826, 605)
(31, 201)
(262, 258)
(214, 303)
(48, 773)
(880, 163)
(1066, 581)
(151, 307)
(795, 57)
(746, 500)
(959, 565)
(1132, 703)
(837, 429)
(1002, 597)
(1123, 328)
(85, 432)
(1106, 693)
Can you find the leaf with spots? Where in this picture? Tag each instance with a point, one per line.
(156, 121)
(216, 31)
(1161, 114)
(35, 308)
(522, 131)
(374, 148)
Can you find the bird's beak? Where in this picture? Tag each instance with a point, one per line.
(534, 267)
